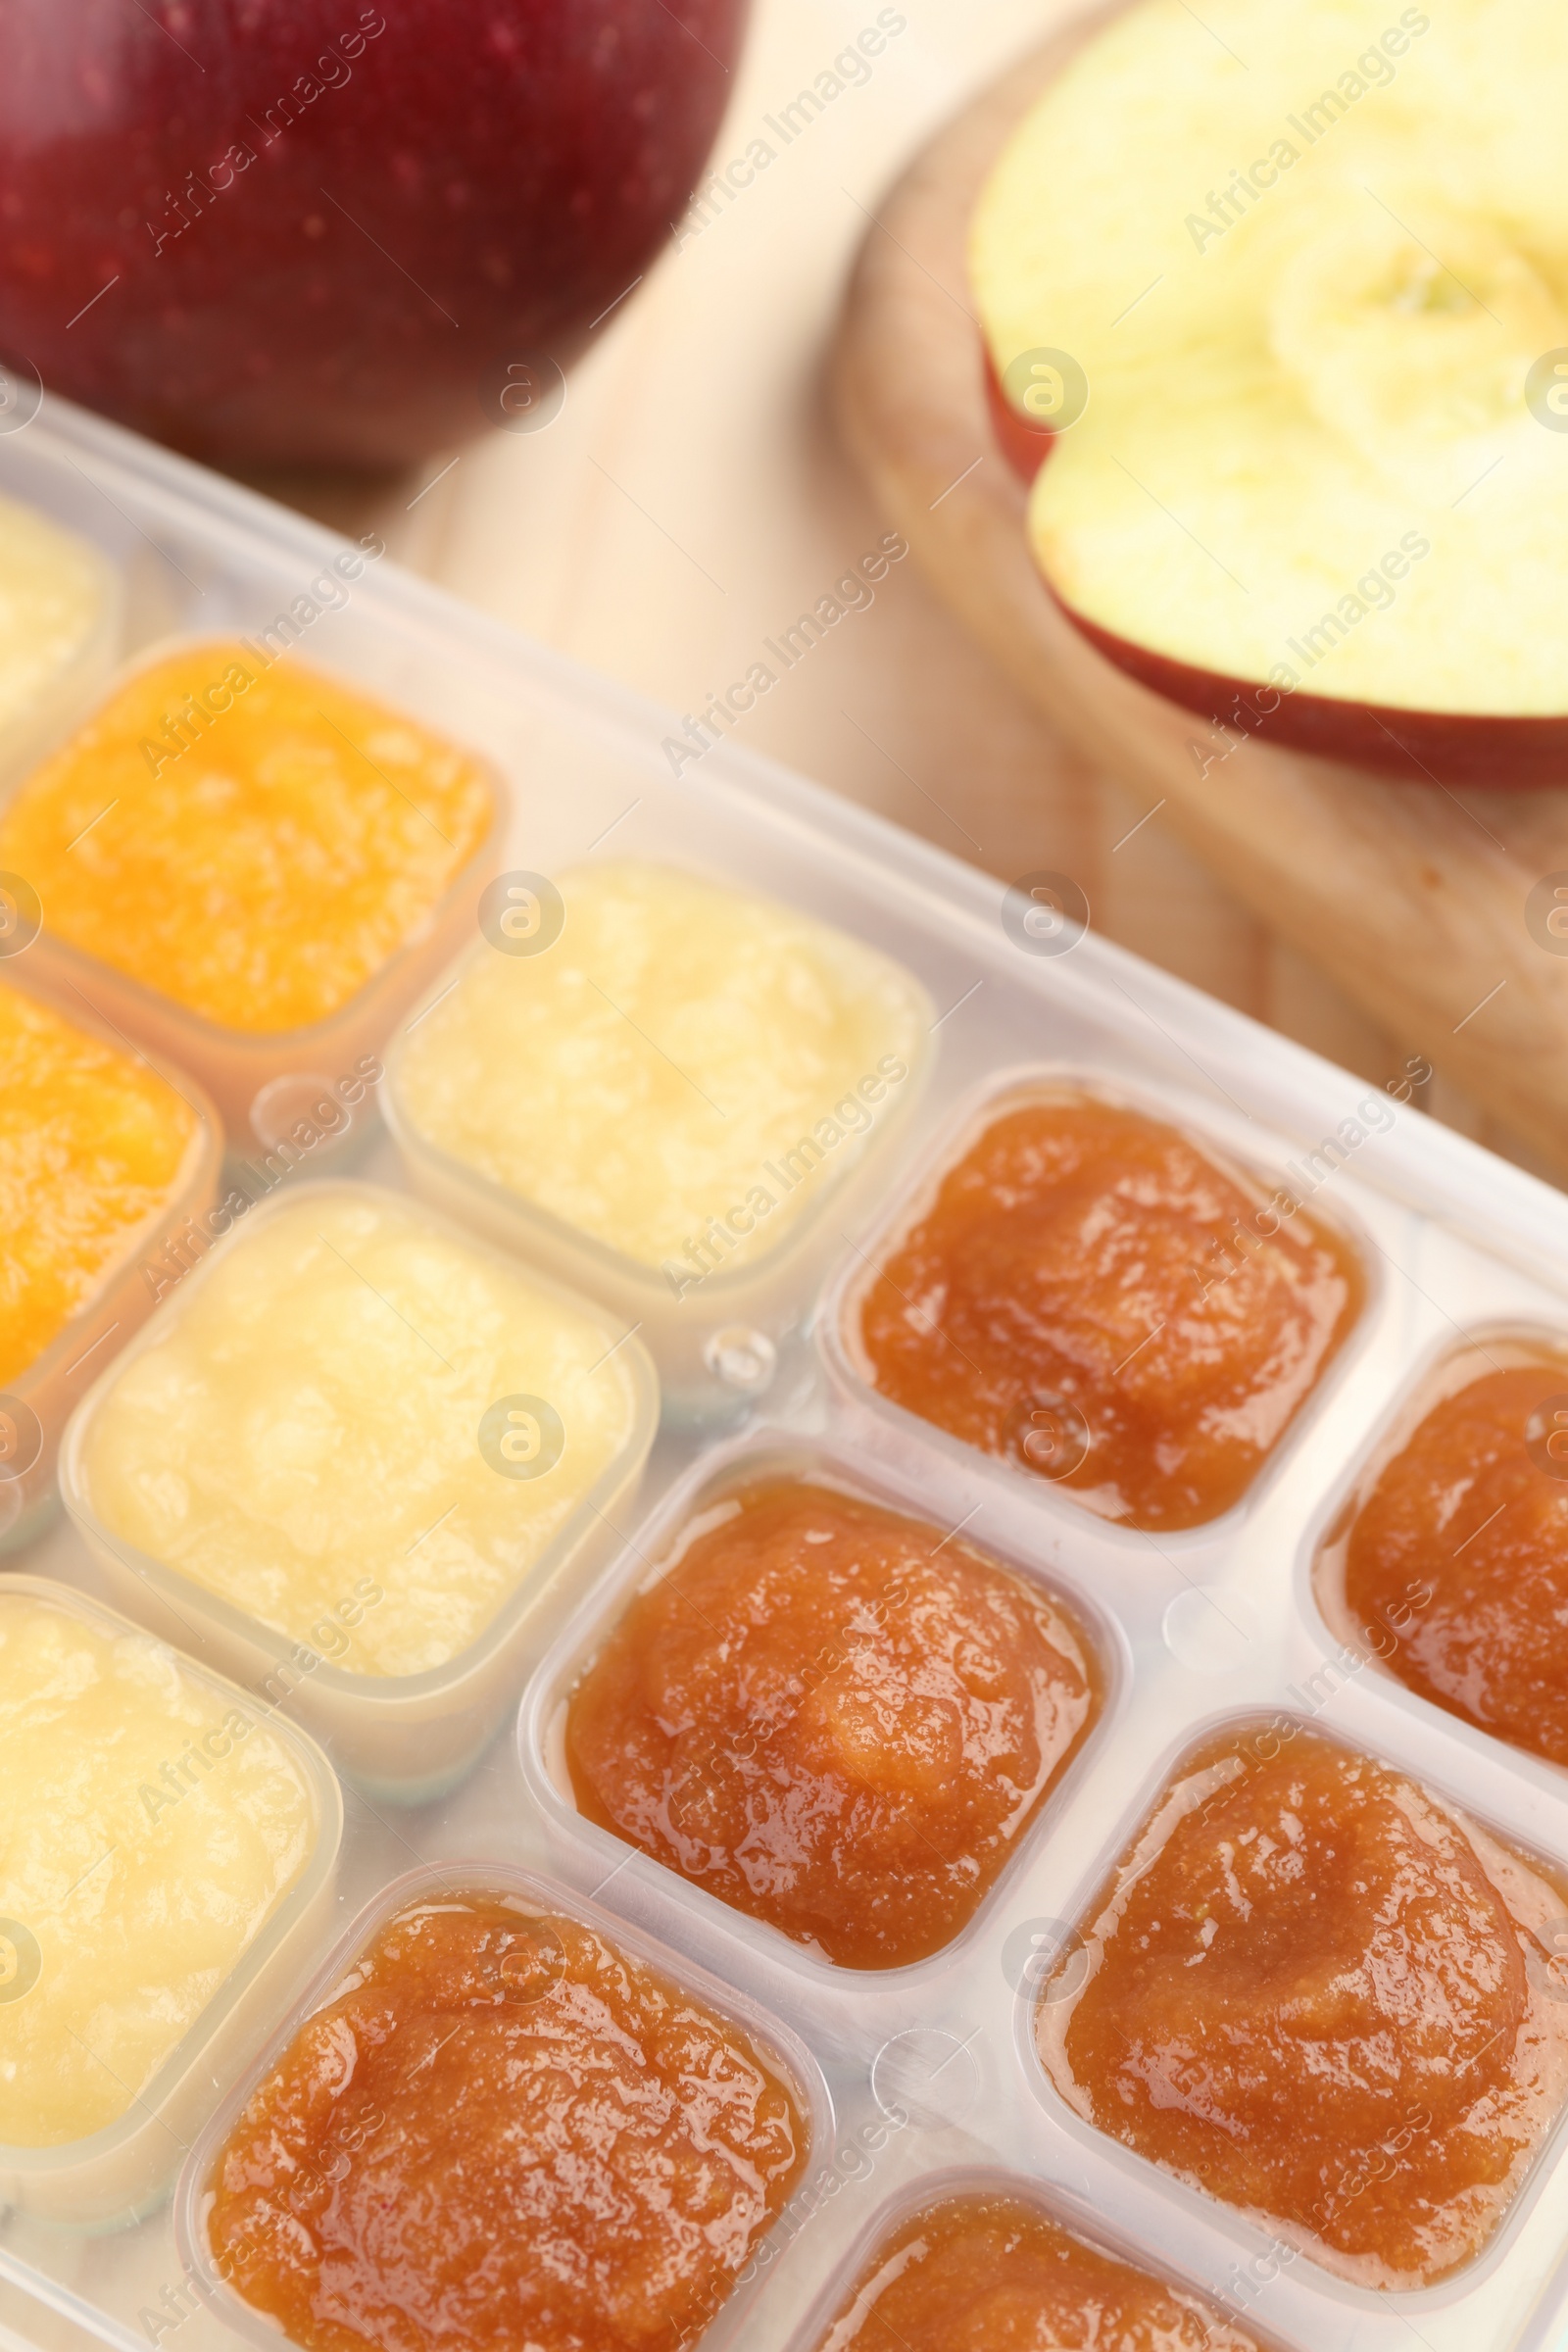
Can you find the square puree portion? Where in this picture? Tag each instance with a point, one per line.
(832, 1717)
(1455, 1566)
(149, 1828)
(679, 1071)
(503, 2132)
(1095, 1300)
(307, 1435)
(991, 2273)
(246, 836)
(1319, 1992)
(94, 1144)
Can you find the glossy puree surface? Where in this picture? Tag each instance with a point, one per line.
(1458, 1560)
(503, 2132)
(1095, 1300)
(1321, 1995)
(833, 1718)
(993, 2273)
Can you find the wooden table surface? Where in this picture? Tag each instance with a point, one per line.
(691, 500)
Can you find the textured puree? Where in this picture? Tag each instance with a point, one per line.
(832, 1718)
(1467, 1514)
(1087, 1257)
(310, 1418)
(503, 2132)
(992, 2274)
(142, 1886)
(1320, 1995)
(92, 1146)
(304, 835)
(681, 1042)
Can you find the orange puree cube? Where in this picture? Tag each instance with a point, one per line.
(246, 836)
(92, 1144)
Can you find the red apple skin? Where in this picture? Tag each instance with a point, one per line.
(473, 181)
(1024, 444)
(1473, 750)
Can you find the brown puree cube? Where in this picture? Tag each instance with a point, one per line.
(1315, 1991)
(835, 1718)
(992, 2273)
(1091, 1296)
(1455, 1567)
(502, 2133)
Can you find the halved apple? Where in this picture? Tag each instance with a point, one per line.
(1313, 264)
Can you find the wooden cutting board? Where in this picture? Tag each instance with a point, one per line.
(1412, 897)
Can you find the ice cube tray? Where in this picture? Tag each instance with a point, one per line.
(933, 2070)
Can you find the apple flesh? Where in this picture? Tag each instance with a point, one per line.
(1446, 747)
(272, 234)
(1317, 492)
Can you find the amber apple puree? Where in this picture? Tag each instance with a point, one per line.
(1091, 1298)
(832, 1717)
(1317, 1992)
(1456, 1563)
(503, 2132)
(993, 2273)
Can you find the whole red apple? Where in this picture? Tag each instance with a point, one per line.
(321, 232)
